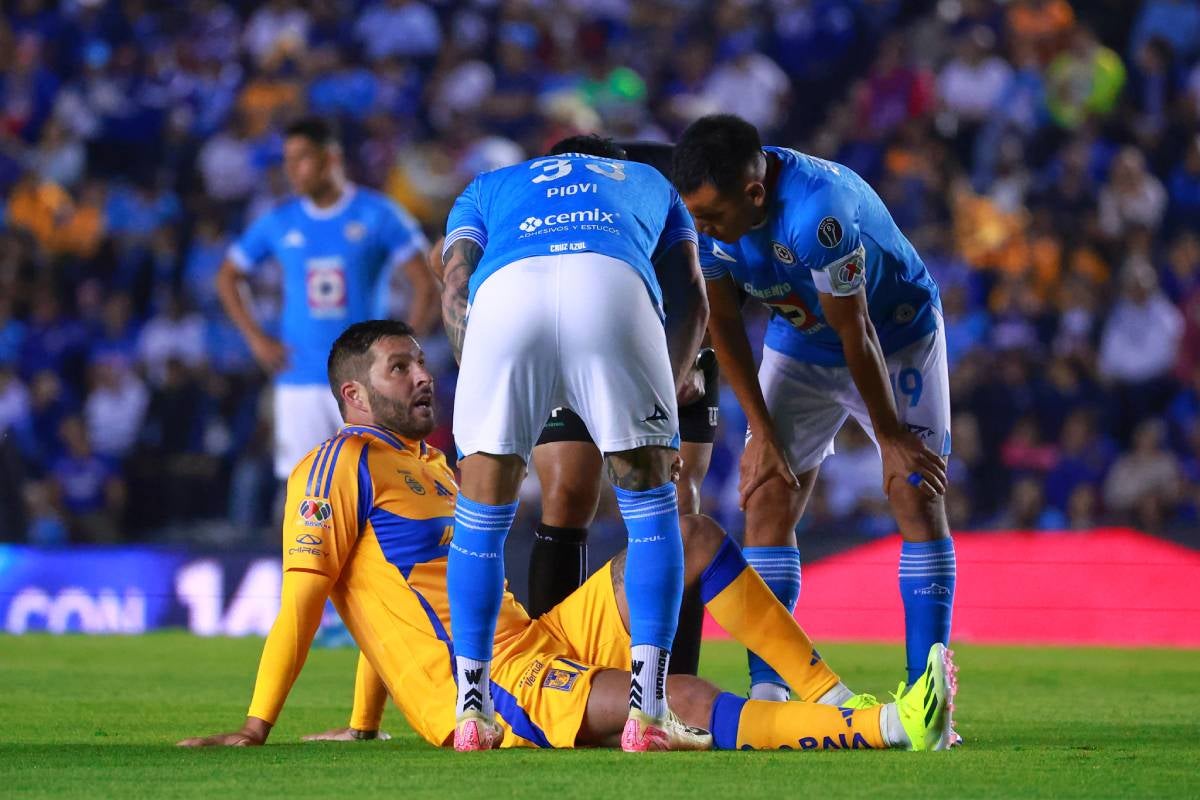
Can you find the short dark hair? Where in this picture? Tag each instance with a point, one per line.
(715, 149)
(590, 144)
(320, 131)
(349, 359)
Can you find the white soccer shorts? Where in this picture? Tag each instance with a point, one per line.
(305, 416)
(809, 403)
(576, 330)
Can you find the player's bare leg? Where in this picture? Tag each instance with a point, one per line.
(570, 474)
(484, 512)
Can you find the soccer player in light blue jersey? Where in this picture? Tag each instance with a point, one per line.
(570, 280)
(345, 250)
(856, 330)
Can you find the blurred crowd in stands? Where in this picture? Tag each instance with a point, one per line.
(1043, 156)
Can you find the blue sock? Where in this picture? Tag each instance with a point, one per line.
(654, 564)
(475, 575)
(654, 590)
(726, 717)
(779, 567)
(927, 587)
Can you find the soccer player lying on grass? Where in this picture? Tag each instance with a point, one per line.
(368, 520)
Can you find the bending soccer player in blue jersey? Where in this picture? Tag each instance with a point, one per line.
(348, 254)
(581, 277)
(856, 330)
(570, 468)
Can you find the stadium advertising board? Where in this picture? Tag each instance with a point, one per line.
(135, 590)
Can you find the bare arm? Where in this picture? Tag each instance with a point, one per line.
(903, 453)
(728, 332)
(460, 263)
(763, 459)
(269, 353)
(424, 306)
(685, 304)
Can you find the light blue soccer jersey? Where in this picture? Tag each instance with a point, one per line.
(337, 263)
(571, 203)
(827, 231)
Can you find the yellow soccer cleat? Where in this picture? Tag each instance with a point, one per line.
(925, 708)
(860, 701)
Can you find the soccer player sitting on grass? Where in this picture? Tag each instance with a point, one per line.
(368, 520)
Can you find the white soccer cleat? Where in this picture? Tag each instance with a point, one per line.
(645, 734)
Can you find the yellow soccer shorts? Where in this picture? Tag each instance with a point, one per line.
(542, 679)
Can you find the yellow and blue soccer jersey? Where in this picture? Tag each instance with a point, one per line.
(376, 512)
(337, 263)
(571, 203)
(827, 232)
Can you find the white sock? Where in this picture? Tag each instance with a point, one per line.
(474, 686)
(836, 696)
(648, 684)
(893, 731)
(773, 692)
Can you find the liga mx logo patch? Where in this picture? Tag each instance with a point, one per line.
(314, 513)
(829, 232)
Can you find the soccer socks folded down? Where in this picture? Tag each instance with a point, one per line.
(741, 724)
(653, 588)
(745, 607)
(779, 567)
(927, 577)
(475, 582)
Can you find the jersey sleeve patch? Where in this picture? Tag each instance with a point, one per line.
(844, 276)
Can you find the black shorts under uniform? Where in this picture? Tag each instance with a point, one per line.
(697, 421)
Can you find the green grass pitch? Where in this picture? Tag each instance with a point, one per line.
(97, 717)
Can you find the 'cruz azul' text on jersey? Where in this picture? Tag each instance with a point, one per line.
(570, 203)
(826, 231)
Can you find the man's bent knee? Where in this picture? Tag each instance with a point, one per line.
(774, 510)
(640, 469)
(691, 699)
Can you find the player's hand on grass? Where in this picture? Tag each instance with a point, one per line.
(347, 735)
(691, 389)
(904, 456)
(762, 460)
(253, 733)
(269, 352)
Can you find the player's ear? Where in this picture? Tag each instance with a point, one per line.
(757, 193)
(354, 396)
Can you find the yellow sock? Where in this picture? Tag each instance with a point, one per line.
(744, 606)
(763, 725)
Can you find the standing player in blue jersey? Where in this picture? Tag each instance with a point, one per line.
(856, 330)
(571, 280)
(343, 249)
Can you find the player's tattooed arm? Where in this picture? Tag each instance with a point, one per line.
(461, 260)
